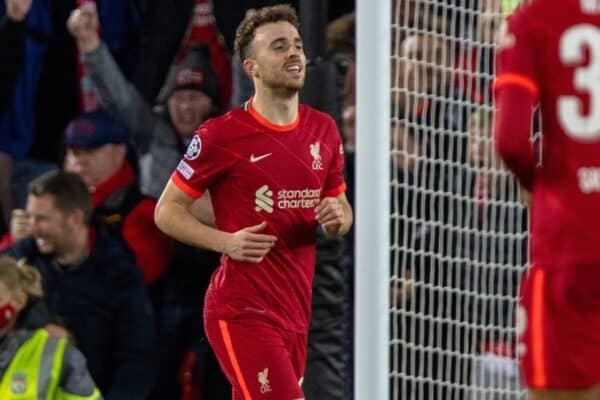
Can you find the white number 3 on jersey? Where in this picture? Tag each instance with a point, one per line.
(581, 127)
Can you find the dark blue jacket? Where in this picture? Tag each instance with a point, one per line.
(104, 303)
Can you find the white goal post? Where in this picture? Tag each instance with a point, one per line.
(441, 231)
(371, 359)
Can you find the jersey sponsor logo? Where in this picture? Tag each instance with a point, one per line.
(185, 169)
(285, 199)
(18, 383)
(589, 179)
(264, 199)
(263, 380)
(254, 158)
(304, 198)
(315, 152)
(194, 148)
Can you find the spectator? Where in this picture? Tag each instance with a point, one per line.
(12, 47)
(427, 95)
(183, 345)
(97, 151)
(12, 55)
(163, 26)
(90, 281)
(161, 140)
(495, 239)
(32, 362)
(202, 28)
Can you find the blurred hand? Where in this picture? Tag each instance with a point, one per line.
(19, 227)
(17, 10)
(248, 245)
(330, 214)
(525, 197)
(59, 332)
(83, 25)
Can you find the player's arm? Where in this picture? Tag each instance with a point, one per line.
(335, 215)
(173, 216)
(516, 92)
(512, 132)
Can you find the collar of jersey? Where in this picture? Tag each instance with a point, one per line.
(263, 121)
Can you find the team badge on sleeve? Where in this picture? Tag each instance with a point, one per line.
(194, 148)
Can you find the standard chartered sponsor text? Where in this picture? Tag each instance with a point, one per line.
(302, 198)
(285, 199)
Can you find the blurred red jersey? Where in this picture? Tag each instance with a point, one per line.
(255, 172)
(552, 49)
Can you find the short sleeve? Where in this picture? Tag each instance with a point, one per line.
(515, 59)
(335, 184)
(205, 161)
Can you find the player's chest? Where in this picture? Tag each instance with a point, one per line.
(284, 160)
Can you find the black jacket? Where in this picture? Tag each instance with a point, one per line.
(104, 303)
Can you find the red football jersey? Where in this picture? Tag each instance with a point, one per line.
(552, 49)
(255, 172)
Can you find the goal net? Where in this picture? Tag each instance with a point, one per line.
(458, 225)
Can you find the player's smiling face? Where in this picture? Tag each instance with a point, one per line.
(278, 56)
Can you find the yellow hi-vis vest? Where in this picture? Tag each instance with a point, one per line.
(34, 372)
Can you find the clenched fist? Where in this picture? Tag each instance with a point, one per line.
(83, 25)
(19, 226)
(330, 214)
(17, 10)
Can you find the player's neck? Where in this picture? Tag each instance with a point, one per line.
(278, 110)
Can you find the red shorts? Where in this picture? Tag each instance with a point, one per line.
(260, 361)
(558, 323)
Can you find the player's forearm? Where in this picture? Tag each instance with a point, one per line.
(512, 133)
(176, 221)
(348, 219)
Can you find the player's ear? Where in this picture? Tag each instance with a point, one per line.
(250, 68)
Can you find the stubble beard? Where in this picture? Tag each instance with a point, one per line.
(286, 88)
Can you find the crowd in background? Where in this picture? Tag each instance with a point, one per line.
(110, 92)
(459, 229)
(105, 95)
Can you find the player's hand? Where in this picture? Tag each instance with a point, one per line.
(248, 245)
(19, 227)
(83, 25)
(526, 197)
(16, 10)
(330, 214)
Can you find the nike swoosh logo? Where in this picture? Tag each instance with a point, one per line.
(258, 158)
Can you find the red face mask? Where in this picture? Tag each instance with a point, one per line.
(7, 312)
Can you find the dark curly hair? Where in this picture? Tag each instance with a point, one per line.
(256, 18)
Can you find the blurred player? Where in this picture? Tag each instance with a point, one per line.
(549, 54)
(274, 170)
